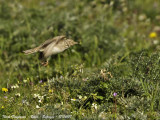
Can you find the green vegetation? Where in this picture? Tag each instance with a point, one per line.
(118, 53)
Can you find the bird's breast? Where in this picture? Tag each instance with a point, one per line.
(53, 49)
(56, 50)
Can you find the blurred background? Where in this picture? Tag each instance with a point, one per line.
(115, 36)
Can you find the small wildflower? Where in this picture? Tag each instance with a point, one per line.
(17, 94)
(85, 79)
(102, 116)
(50, 91)
(61, 77)
(114, 94)
(5, 97)
(80, 97)
(155, 42)
(153, 35)
(40, 97)
(85, 97)
(40, 101)
(25, 81)
(111, 3)
(4, 89)
(37, 106)
(103, 74)
(142, 17)
(2, 107)
(25, 102)
(94, 106)
(40, 81)
(61, 103)
(14, 86)
(36, 95)
(74, 100)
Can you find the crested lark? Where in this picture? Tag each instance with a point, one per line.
(51, 47)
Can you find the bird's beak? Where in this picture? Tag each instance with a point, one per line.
(72, 42)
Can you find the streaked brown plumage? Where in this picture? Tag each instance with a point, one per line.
(52, 46)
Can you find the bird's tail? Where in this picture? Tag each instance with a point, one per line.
(30, 51)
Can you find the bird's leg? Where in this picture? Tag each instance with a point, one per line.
(45, 63)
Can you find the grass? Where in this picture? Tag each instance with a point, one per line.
(118, 53)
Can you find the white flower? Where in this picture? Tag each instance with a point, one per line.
(18, 94)
(142, 17)
(94, 106)
(102, 115)
(40, 101)
(25, 102)
(14, 86)
(155, 42)
(24, 81)
(80, 97)
(36, 95)
(40, 97)
(37, 106)
(85, 97)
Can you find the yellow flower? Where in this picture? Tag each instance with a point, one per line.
(74, 99)
(2, 107)
(4, 89)
(50, 91)
(153, 35)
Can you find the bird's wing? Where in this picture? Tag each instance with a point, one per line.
(48, 50)
(47, 42)
(60, 38)
(54, 40)
(49, 47)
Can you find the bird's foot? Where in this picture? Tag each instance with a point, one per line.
(45, 63)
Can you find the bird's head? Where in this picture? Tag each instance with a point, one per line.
(70, 42)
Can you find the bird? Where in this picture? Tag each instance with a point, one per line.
(51, 47)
